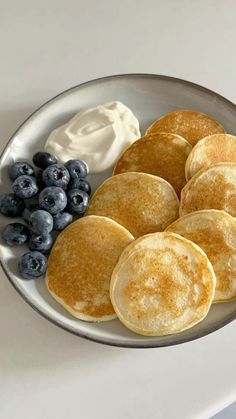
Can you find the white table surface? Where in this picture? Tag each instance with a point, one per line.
(49, 46)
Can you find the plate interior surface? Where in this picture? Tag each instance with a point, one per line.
(148, 96)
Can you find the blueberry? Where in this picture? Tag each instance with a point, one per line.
(62, 220)
(81, 184)
(28, 211)
(76, 168)
(52, 199)
(78, 201)
(11, 205)
(32, 265)
(41, 222)
(15, 234)
(25, 186)
(20, 168)
(41, 242)
(39, 179)
(43, 159)
(56, 175)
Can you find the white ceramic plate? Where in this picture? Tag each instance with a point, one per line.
(148, 96)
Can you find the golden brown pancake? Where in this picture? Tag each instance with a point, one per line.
(215, 232)
(81, 263)
(210, 150)
(159, 154)
(212, 188)
(162, 284)
(140, 202)
(189, 124)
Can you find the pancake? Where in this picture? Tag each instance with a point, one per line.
(81, 263)
(189, 124)
(140, 202)
(215, 232)
(162, 284)
(212, 188)
(210, 150)
(159, 154)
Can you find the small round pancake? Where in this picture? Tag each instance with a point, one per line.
(217, 148)
(159, 154)
(215, 232)
(162, 284)
(80, 266)
(212, 188)
(189, 124)
(140, 202)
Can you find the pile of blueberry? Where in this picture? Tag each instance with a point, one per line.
(59, 191)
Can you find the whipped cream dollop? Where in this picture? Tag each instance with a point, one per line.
(97, 135)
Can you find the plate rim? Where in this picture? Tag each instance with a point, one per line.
(89, 336)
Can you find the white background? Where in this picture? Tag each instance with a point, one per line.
(49, 46)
